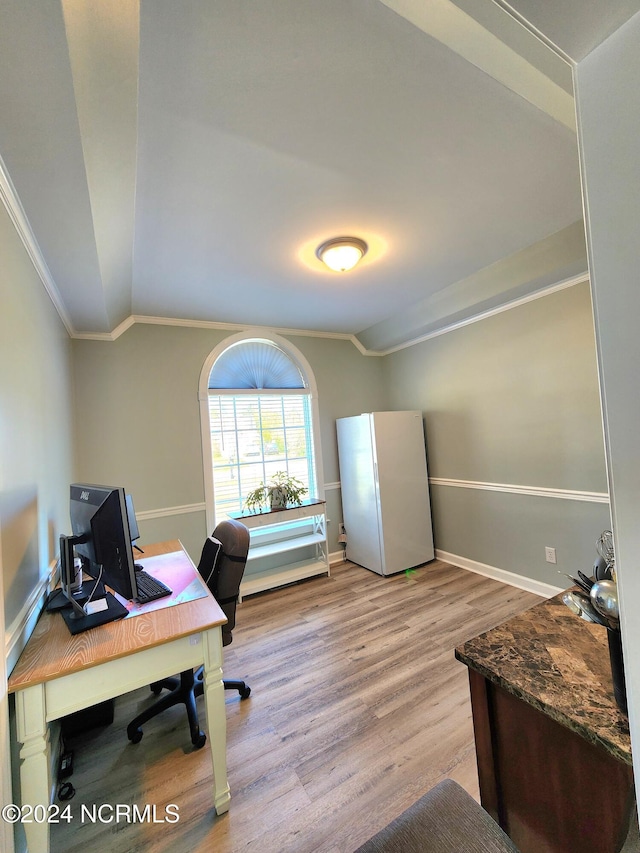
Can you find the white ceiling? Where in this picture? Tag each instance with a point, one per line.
(183, 160)
(575, 27)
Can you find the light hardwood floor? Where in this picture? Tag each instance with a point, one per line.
(358, 707)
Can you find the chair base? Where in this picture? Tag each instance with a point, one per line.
(183, 690)
(243, 689)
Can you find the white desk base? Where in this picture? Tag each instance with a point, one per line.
(40, 704)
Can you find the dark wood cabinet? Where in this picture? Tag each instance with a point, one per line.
(553, 748)
(547, 787)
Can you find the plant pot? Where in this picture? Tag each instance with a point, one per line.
(277, 498)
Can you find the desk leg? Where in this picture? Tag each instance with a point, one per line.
(33, 734)
(216, 716)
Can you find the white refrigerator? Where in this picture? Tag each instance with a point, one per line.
(385, 491)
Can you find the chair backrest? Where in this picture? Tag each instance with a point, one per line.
(221, 565)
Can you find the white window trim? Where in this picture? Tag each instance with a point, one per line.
(205, 426)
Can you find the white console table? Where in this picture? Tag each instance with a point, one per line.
(287, 545)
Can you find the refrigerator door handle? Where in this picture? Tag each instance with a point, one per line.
(376, 481)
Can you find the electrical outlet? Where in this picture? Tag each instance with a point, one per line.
(550, 554)
(341, 527)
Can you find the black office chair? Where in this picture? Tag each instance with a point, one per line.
(221, 566)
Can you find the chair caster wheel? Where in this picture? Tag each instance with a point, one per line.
(134, 733)
(200, 741)
(244, 694)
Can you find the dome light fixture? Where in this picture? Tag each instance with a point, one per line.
(342, 253)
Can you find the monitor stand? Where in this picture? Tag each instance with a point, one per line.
(75, 616)
(77, 623)
(58, 600)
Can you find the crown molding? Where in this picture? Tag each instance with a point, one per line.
(452, 26)
(342, 336)
(517, 16)
(490, 312)
(213, 324)
(22, 225)
(13, 206)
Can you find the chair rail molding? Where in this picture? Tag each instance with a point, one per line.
(165, 512)
(533, 491)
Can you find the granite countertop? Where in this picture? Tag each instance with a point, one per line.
(559, 664)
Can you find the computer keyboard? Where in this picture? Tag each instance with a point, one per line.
(149, 588)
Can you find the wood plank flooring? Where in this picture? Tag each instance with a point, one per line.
(358, 707)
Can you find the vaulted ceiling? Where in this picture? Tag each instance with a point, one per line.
(184, 160)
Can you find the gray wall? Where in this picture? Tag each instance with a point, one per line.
(607, 84)
(35, 466)
(138, 418)
(512, 400)
(35, 424)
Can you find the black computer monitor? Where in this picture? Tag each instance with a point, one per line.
(102, 536)
(133, 522)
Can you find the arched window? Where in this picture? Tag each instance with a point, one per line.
(259, 416)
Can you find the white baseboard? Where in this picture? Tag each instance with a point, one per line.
(336, 557)
(20, 629)
(544, 590)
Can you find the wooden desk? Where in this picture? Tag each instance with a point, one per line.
(58, 674)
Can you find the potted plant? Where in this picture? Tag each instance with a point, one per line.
(282, 491)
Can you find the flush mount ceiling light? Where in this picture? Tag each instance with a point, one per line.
(342, 253)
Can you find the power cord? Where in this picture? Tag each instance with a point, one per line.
(65, 768)
(342, 541)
